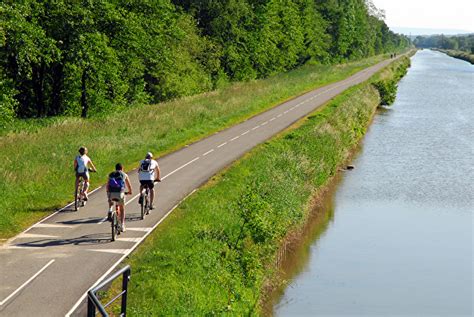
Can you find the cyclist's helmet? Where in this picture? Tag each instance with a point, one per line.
(82, 150)
(149, 155)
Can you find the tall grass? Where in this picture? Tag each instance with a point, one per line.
(36, 173)
(214, 254)
(466, 56)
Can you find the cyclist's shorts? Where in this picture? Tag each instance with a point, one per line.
(118, 196)
(150, 184)
(83, 175)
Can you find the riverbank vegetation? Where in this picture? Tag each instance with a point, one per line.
(388, 83)
(36, 175)
(460, 46)
(92, 58)
(468, 57)
(216, 253)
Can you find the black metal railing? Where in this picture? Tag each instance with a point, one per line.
(94, 303)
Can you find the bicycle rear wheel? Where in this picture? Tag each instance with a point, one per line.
(147, 204)
(114, 225)
(76, 198)
(142, 207)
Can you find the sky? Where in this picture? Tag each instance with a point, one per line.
(456, 15)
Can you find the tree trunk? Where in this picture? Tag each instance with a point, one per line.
(84, 105)
(57, 84)
(38, 80)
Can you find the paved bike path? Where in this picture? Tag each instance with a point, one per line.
(46, 270)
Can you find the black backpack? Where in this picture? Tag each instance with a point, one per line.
(145, 166)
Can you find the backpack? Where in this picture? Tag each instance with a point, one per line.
(145, 166)
(116, 182)
(81, 165)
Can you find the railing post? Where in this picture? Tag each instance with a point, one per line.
(93, 303)
(126, 278)
(90, 307)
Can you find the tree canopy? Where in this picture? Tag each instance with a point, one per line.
(454, 42)
(89, 57)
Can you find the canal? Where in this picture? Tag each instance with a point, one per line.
(395, 236)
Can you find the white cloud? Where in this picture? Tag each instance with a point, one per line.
(454, 14)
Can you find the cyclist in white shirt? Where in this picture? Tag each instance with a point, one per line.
(148, 173)
(82, 164)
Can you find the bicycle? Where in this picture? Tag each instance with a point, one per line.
(79, 196)
(114, 221)
(145, 204)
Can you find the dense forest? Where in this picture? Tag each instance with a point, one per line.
(90, 57)
(460, 42)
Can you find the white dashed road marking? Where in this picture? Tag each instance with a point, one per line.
(210, 151)
(51, 225)
(34, 235)
(27, 282)
(115, 251)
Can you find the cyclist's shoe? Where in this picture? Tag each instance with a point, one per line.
(122, 228)
(152, 207)
(140, 200)
(84, 202)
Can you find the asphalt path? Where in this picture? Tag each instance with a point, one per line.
(47, 269)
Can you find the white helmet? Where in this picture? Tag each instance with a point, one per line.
(149, 155)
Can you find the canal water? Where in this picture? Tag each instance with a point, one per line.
(396, 236)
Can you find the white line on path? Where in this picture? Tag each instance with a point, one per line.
(33, 235)
(245, 132)
(128, 239)
(51, 225)
(46, 218)
(20, 247)
(182, 166)
(279, 115)
(26, 283)
(222, 144)
(234, 138)
(141, 229)
(102, 220)
(272, 119)
(210, 151)
(255, 128)
(115, 251)
(264, 123)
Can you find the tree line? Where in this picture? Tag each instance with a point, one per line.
(455, 42)
(90, 57)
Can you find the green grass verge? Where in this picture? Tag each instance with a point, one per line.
(36, 173)
(216, 252)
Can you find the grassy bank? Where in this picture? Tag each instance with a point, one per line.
(217, 252)
(36, 172)
(460, 55)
